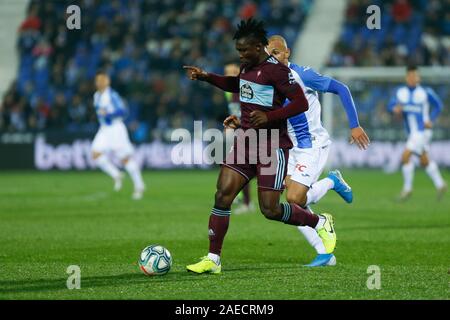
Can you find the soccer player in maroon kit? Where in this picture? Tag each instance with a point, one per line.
(234, 108)
(263, 85)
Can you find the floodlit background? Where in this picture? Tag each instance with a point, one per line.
(47, 70)
(57, 210)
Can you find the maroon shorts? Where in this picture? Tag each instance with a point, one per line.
(270, 168)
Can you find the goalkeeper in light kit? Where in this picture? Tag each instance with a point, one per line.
(112, 136)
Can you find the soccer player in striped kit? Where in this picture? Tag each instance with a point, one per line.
(112, 136)
(412, 102)
(311, 140)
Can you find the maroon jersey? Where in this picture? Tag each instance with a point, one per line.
(265, 87)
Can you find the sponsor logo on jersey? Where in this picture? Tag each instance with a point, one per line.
(246, 91)
(300, 167)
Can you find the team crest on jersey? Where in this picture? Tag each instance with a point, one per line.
(246, 91)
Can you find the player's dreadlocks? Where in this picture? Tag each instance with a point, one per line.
(253, 29)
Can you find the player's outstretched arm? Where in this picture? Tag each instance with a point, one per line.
(344, 94)
(357, 133)
(226, 83)
(438, 106)
(196, 73)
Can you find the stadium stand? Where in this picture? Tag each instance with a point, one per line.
(143, 45)
(411, 31)
(414, 31)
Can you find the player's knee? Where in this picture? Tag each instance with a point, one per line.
(297, 198)
(223, 198)
(405, 157)
(96, 155)
(424, 162)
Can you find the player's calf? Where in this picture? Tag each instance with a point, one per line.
(289, 213)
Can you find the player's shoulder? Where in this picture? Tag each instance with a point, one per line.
(428, 90)
(401, 89)
(273, 63)
(111, 91)
(308, 73)
(299, 68)
(274, 67)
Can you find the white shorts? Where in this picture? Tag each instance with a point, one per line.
(416, 143)
(113, 138)
(306, 165)
(428, 133)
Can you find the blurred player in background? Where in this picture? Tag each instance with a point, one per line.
(264, 84)
(234, 108)
(308, 157)
(112, 136)
(412, 101)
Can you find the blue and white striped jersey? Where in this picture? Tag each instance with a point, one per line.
(415, 104)
(109, 106)
(305, 129)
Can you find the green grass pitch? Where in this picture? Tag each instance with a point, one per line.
(49, 221)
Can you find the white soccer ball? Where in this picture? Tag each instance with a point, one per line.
(155, 260)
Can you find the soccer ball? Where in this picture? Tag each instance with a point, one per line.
(155, 260)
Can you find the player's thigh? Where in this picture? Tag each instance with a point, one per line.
(270, 178)
(308, 165)
(406, 155)
(428, 136)
(323, 154)
(121, 144)
(415, 144)
(236, 171)
(270, 175)
(229, 183)
(100, 142)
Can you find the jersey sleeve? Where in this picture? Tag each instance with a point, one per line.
(95, 97)
(120, 109)
(434, 100)
(344, 94)
(393, 101)
(312, 79)
(283, 80)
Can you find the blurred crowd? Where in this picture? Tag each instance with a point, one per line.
(412, 31)
(143, 46)
(415, 31)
